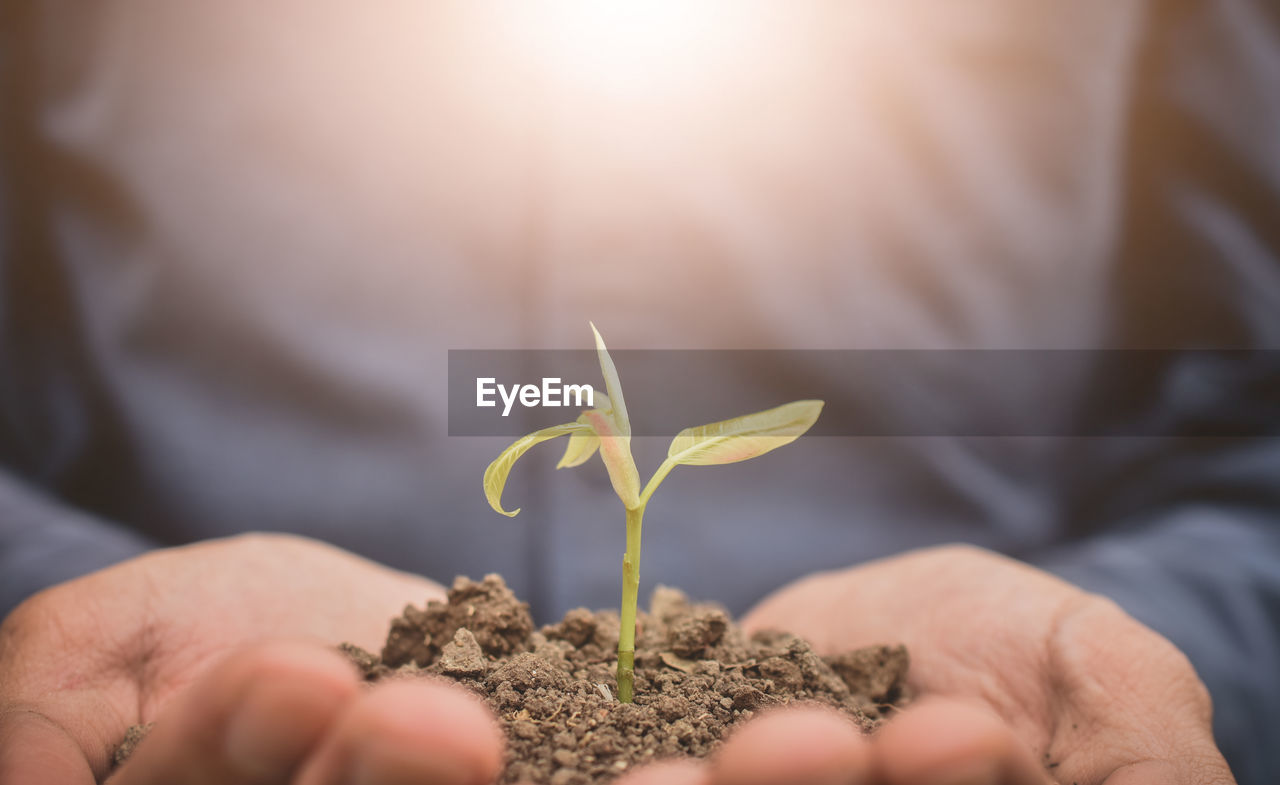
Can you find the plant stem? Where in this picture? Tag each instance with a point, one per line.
(655, 481)
(630, 593)
(631, 586)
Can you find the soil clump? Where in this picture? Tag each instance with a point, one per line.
(696, 676)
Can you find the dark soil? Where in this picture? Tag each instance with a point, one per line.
(696, 676)
(553, 689)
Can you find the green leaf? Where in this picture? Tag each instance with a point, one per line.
(743, 437)
(602, 402)
(614, 430)
(612, 385)
(580, 449)
(584, 445)
(495, 477)
(615, 451)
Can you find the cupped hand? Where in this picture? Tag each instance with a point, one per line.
(1020, 678)
(228, 644)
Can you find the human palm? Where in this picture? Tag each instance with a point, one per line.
(228, 641)
(1065, 675)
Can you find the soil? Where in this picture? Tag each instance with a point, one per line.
(696, 676)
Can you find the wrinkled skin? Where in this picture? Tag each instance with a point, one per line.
(230, 652)
(1009, 663)
(228, 643)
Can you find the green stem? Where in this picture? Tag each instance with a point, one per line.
(631, 586)
(630, 593)
(655, 481)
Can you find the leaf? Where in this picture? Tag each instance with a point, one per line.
(602, 402)
(584, 445)
(743, 437)
(670, 659)
(495, 476)
(612, 385)
(615, 451)
(614, 430)
(580, 449)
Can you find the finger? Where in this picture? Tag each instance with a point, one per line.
(809, 745)
(34, 749)
(252, 719)
(681, 772)
(418, 731)
(942, 742)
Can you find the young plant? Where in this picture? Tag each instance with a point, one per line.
(606, 428)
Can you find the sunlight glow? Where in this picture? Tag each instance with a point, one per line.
(635, 45)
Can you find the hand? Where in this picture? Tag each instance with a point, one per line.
(228, 642)
(1021, 678)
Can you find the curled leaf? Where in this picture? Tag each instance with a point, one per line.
(743, 437)
(584, 445)
(495, 476)
(580, 449)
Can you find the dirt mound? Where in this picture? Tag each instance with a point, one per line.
(696, 675)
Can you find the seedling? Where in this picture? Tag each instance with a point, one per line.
(606, 428)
